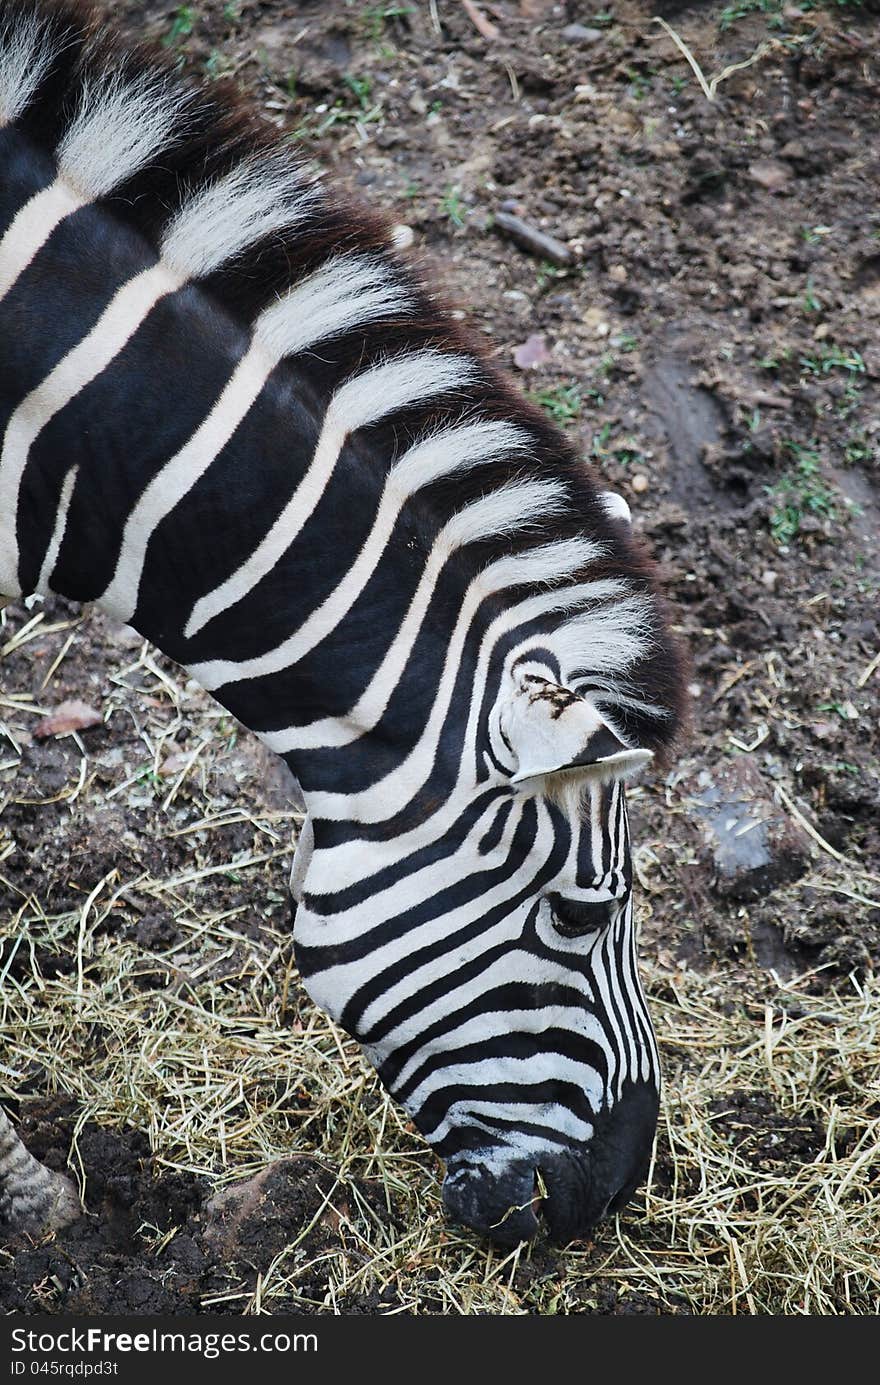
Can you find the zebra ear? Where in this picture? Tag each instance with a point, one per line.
(549, 730)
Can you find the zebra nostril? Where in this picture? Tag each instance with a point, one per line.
(501, 1203)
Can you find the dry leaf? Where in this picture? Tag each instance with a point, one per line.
(531, 353)
(69, 716)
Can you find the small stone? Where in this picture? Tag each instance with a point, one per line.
(695, 689)
(751, 845)
(639, 483)
(402, 237)
(617, 273)
(173, 764)
(824, 730)
(769, 578)
(770, 174)
(821, 331)
(579, 33)
(595, 321)
(585, 91)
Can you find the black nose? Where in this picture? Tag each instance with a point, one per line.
(501, 1197)
(497, 1201)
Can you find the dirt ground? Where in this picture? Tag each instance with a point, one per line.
(707, 330)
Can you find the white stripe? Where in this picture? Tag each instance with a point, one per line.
(609, 639)
(55, 542)
(179, 475)
(365, 400)
(556, 1118)
(119, 125)
(505, 510)
(337, 868)
(331, 986)
(513, 966)
(343, 294)
(31, 228)
(412, 889)
(456, 449)
(487, 1072)
(116, 325)
(548, 564)
(373, 804)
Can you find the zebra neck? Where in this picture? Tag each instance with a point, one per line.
(234, 419)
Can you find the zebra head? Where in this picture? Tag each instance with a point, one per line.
(486, 962)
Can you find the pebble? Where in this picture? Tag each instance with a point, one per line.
(770, 174)
(750, 844)
(402, 237)
(594, 319)
(639, 482)
(579, 33)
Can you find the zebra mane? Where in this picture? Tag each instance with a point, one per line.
(222, 198)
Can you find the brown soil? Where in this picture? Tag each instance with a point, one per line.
(714, 349)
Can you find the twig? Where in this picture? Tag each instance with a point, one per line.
(479, 20)
(711, 86)
(872, 668)
(534, 241)
(807, 826)
(732, 681)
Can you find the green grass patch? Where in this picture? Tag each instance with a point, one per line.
(563, 403)
(801, 491)
(182, 26)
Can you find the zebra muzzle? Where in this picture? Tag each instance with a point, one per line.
(502, 1204)
(561, 1196)
(566, 1192)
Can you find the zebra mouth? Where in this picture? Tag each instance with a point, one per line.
(503, 1205)
(564, 1193)
(561, 1199)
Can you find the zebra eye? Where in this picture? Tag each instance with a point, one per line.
(577, 918)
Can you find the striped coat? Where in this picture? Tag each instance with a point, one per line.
(232, 416)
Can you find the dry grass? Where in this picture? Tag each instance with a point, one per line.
(227, 1067)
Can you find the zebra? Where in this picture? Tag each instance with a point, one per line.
(236, 417)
